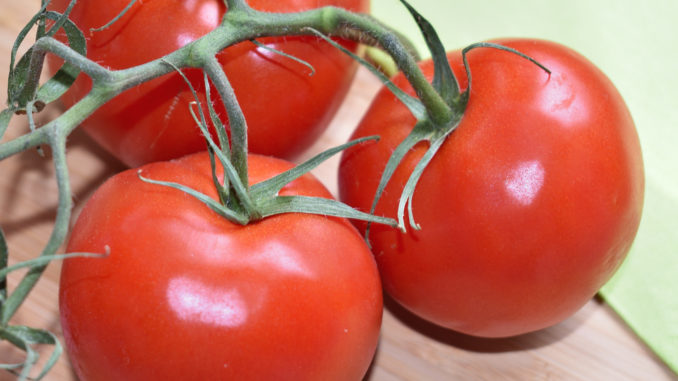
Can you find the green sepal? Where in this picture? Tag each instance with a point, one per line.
(221, 189)
(407, 194)
(236, 120)
(14, 84)
(413, 104)
(319, 206)
(115, 19)
(224, 144)
(289, 56)
(212, 149)
(21, 88)
(205, 199)
(239, 187)
(279, 205)
(270, 188)
(435, 136)
(25, 338)
(444, 80)
(241, 190)
(62, 80)
(44, 260)
(422, 131)
(216, 121)
(492, 45)
(62, 19)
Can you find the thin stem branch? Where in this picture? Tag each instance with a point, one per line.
(236, 118)
(237, 27)
(115, 19)
(58, 142)
(342, 23)
(240, 23)
(63, 125)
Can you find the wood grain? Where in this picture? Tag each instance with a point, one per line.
(592, 345)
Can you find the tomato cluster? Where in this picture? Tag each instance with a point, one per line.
(527, 209)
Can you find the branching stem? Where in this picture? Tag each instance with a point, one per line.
(240, 23)
(57, 140)
(237, 26)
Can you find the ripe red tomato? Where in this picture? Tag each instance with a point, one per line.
(186, 295)
(528, 208)
(286, 109)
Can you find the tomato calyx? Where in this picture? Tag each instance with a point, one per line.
(433, 125)
(238, 202)
(243, 205)
(492, 45)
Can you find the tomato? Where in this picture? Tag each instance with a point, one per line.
(530, 205)
(285, 108)
(184, 294)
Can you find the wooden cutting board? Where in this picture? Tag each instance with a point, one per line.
(594, 344)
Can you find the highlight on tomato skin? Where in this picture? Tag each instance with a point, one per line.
(286, 108)
(527, 209)
(184, 294)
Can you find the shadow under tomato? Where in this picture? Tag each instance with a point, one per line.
(32, 161)
(459, 340)
(370, 371)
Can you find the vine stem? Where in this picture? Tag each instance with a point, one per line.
(241, 23)
(61, 126)
(236, 119)
(339, 22)
(58, 141)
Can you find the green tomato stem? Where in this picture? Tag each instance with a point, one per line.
(240, 23)
(236, 118)
(342, 23)
(58, 141)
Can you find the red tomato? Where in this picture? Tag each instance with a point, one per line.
(530, 205)
(286, 109)
(186, 295)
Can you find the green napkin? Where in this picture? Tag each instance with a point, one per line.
(634, 43)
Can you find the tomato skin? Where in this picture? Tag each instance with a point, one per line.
(528, 208)
(285, 108)
(186, 295)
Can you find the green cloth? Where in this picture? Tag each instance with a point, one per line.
(636, 45)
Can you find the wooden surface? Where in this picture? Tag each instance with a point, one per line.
(592, 345)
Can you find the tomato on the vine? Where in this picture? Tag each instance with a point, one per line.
(286, 108)
(527, 209)
(184, 294)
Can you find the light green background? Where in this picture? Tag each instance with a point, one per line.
(636, 44)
